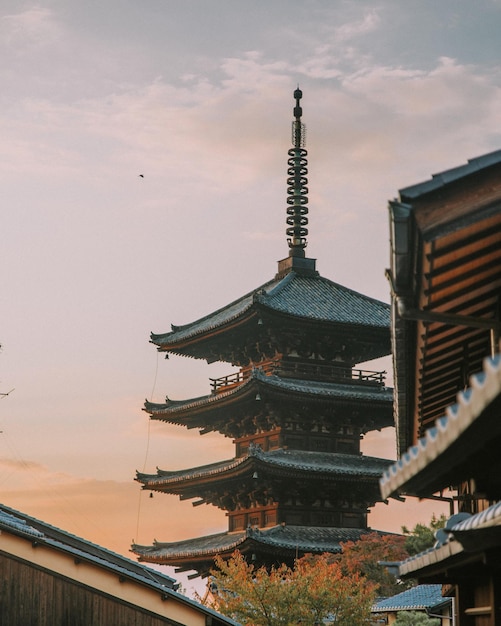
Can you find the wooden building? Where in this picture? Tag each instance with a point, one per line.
(446, 284)
(48, 577)
(296, 409)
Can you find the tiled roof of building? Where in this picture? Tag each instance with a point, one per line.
(304, 539)
(23, 525)
(488, 518)
(463, 536)
(337, 466)
(480, 531)
(444, 178)
(319, 389)
(41, 533)
(408, 471)
(306, 297)
(420, 598)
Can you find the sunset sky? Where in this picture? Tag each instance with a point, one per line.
(197, 97)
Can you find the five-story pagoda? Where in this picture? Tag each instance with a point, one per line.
(296, 409)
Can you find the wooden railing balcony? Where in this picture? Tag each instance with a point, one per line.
(302, 370)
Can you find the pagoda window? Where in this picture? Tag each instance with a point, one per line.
(237, 522)
(255, 520)
(294, 519)
(347, 446)
(351, 520)
(242, 448)
(322, 519)
(295, 442)
(270, 518)
(319, 444)
(274, 442)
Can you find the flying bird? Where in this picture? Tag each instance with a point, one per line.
(141, 175)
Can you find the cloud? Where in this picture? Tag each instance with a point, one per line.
(361, 27)
(33, 28)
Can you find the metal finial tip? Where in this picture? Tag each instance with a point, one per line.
(298, 94)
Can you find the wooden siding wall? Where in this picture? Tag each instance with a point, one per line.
(33, 597)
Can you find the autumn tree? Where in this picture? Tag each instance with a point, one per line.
(422, 536)
(314, 591)
(366, 556)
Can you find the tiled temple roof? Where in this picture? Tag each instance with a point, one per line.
(302, 539)
(416, 471)
(318, 389)
(304, 297)
(420, 598)
(334, 466)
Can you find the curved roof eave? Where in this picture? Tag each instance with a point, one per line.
(334, 465)
(303, 538)
(322, 390)
(306, 298)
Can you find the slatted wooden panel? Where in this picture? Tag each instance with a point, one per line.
(33, 597)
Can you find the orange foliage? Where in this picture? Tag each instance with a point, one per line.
(315, 591)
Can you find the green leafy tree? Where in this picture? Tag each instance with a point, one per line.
(422, 536)
(415, 618)
(366, 556)
(313, 592)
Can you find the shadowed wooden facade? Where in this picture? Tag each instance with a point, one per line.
(446, 287)
(296, 409)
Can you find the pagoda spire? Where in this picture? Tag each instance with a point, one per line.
(297, 199)
(297, 190)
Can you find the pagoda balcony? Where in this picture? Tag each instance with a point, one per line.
(324, 372)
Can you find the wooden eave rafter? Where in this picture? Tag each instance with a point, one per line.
(275, 406)
(194, 345)
(240, 476)
(263, 330)
(461, 275)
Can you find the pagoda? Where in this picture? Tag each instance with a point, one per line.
(296, 408)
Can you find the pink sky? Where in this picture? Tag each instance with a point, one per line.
(197, 98)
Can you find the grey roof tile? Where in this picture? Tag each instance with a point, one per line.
(422, 597)
(307, 297)
(484, 388)
(451, 175)
(302, 538)
(322, 389)
(343, 466)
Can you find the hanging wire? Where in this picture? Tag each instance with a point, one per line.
(148, 437)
